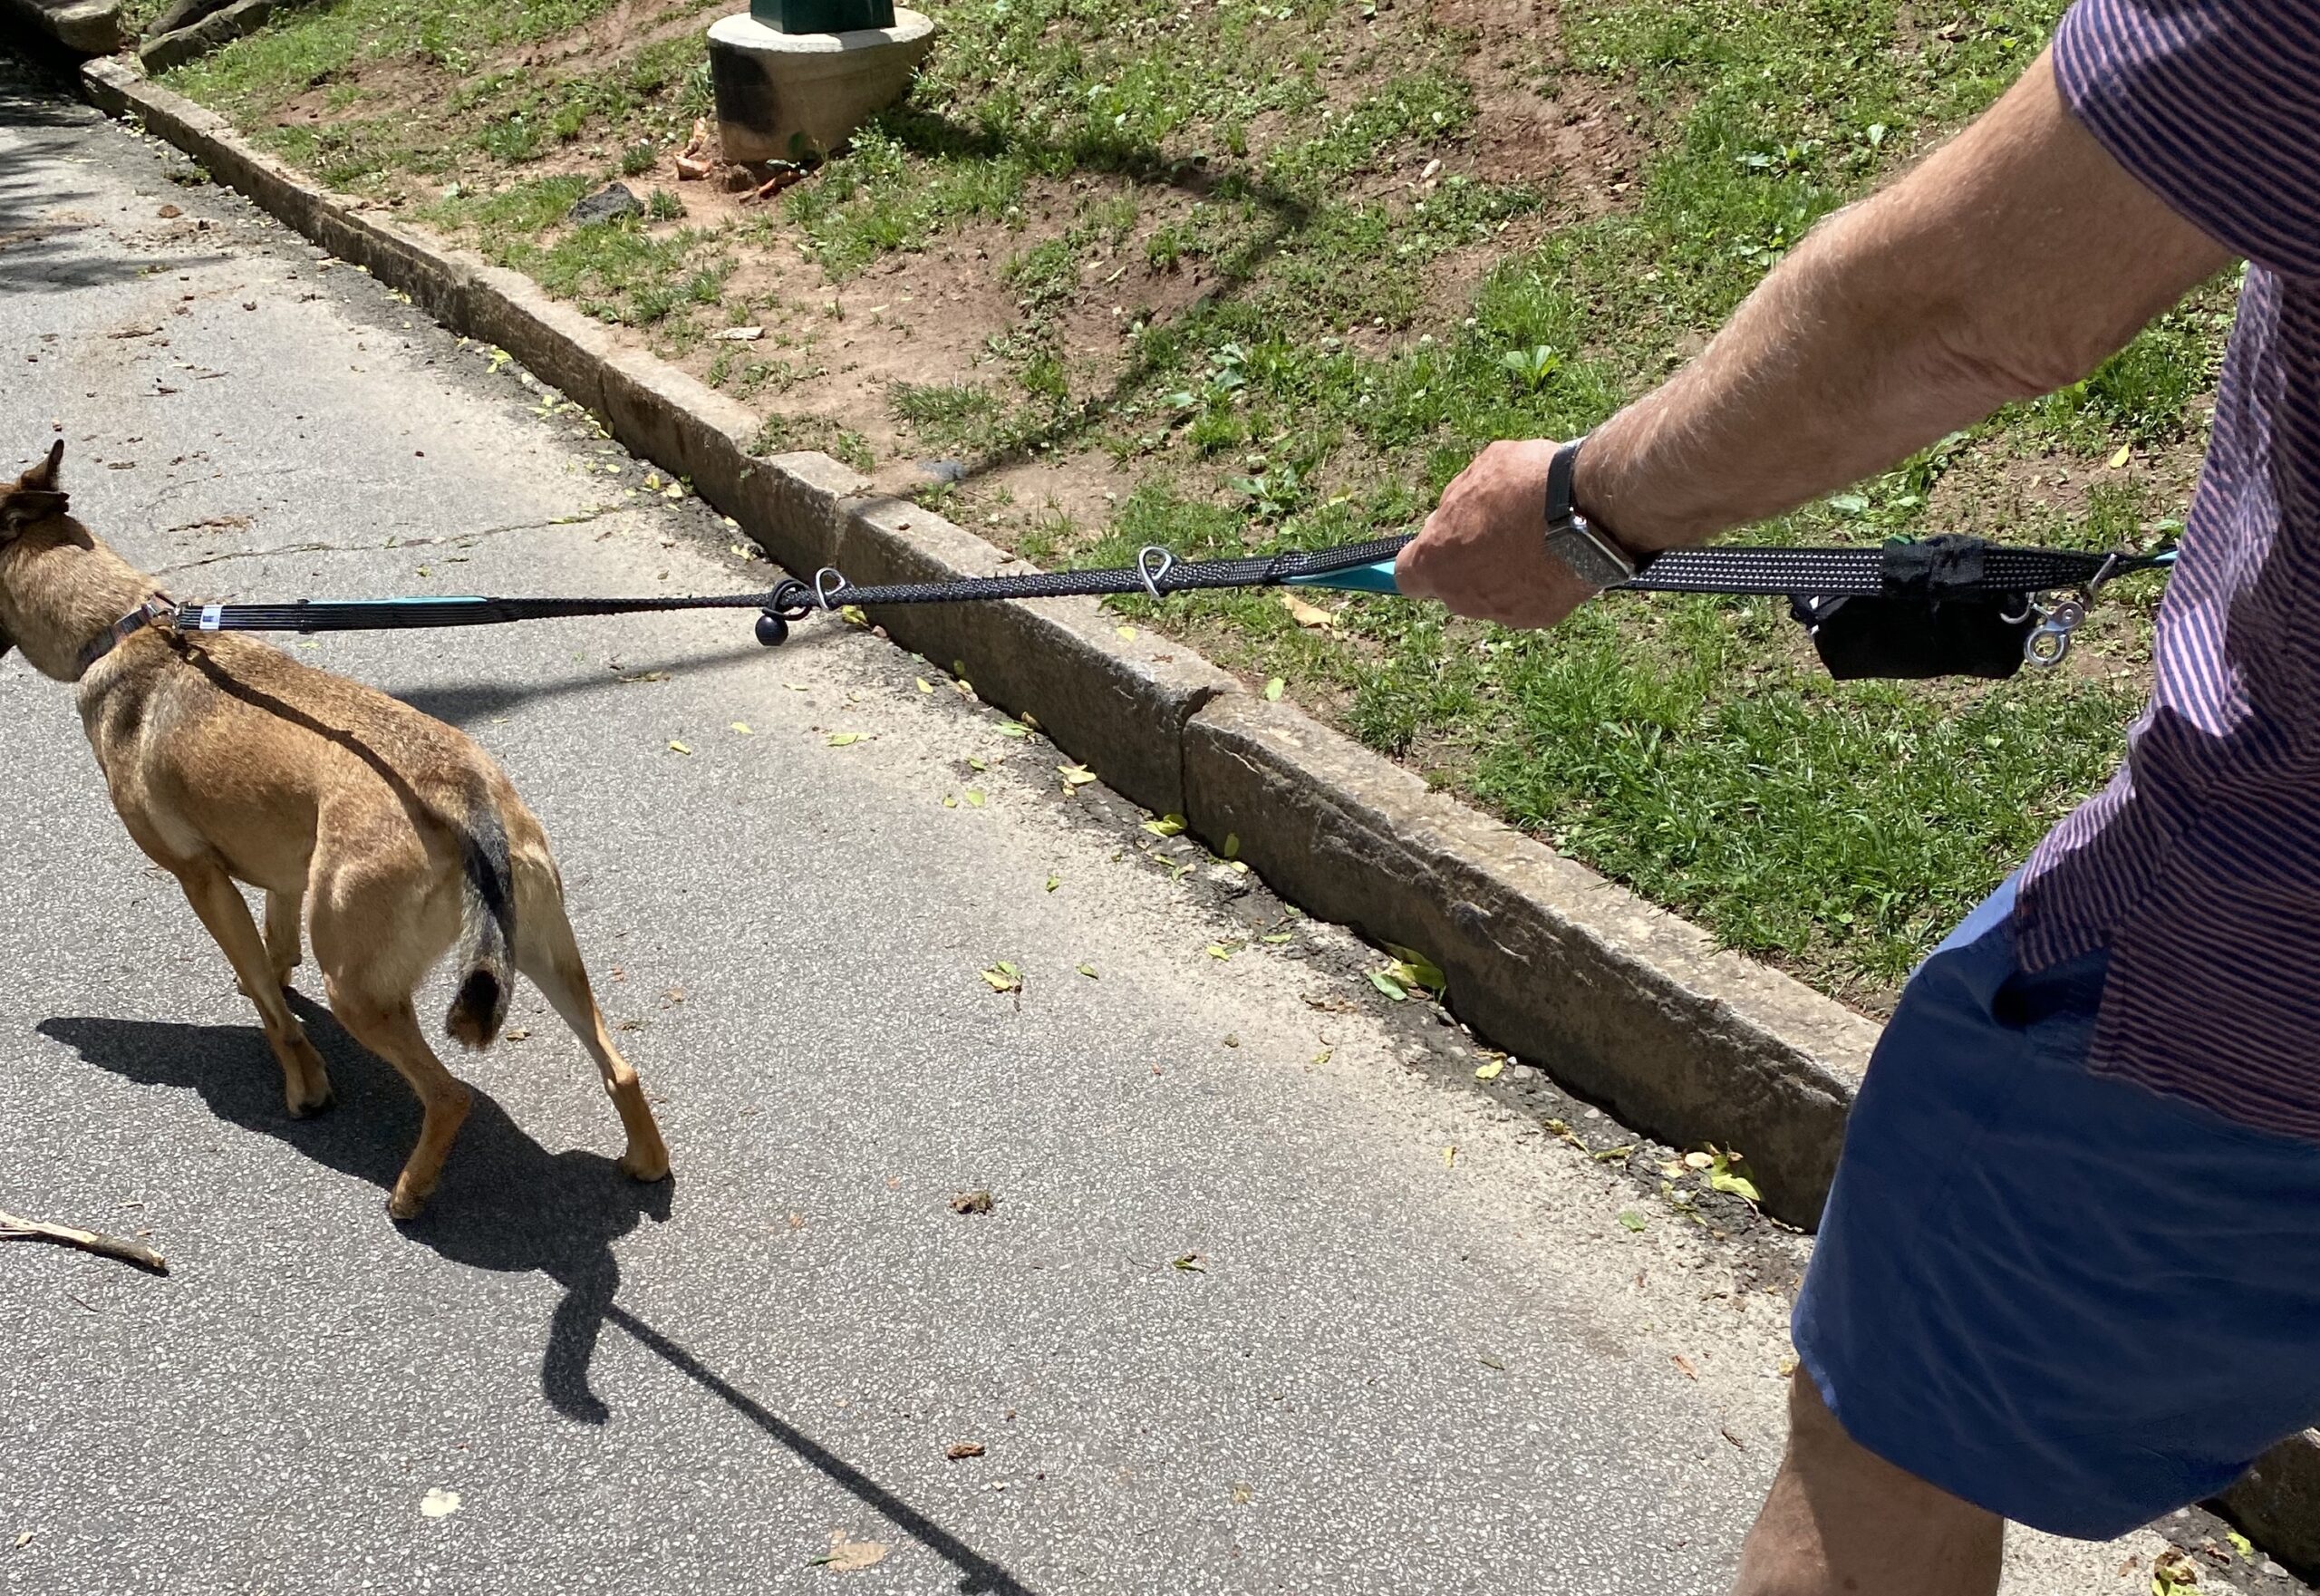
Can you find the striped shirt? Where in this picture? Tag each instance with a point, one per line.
(2198, 867)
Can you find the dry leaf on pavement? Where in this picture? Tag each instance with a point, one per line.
(962, 1450)
(848, 1556)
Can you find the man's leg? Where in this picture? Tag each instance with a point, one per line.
(1840, 1519)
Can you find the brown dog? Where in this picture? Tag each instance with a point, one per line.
(229, 762)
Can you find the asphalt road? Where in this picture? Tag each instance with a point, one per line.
(1268, 1300)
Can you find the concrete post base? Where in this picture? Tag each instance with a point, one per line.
(783, 95)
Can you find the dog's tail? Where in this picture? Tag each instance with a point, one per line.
(487, 930)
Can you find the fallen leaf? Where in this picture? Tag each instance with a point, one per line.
(1054, 882)
(1004, 977)
(1684, 1366)
(975, 798)
(1217, 950)
(960, 1451)
(1127, 632)
(1490, 1071)
(1699, 1161)
(1414, 969)
(1075, 776)
(848, 1556)
(1231, 844)
(1274, 689)
(23, 1539)
(975, 1202)
(975, 764)
(1323, 1055)
(1012, 729)
(439, 1502)
(1280, 936)
(1389, 986)
(1631, 1219)
(844, 739)
(1490, 1362)
(678, 748)
(1725, 1177)
(950, 800)
(854, 613)
(743, 728)
(1449, 1157)
(1192, 1264)
(516, 1033)
(647, 676)
(1308, 615)
(2120, 459)
(738, 334)
(1166, 825)
(1089, 972)
(925, 685)
(2240, 1543)
(1612, 1155)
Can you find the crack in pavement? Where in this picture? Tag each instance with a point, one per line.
(453, 539)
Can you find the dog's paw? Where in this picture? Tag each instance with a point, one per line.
(403, 1207)
(645, 1165)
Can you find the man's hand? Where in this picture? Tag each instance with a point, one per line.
(1484, 551)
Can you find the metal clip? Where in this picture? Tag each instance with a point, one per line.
(1151, 577)
(2049, 641)
(827, 585)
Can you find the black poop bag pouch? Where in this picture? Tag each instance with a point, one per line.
(1933, 619)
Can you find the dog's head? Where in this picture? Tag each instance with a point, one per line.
(27, 507)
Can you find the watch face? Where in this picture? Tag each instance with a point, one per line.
(1589, 558)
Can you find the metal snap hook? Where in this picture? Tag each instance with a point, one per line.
(827, 585)
(1151, 577)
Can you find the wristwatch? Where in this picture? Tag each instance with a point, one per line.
(1586, 553)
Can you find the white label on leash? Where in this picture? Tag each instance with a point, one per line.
(212, 616)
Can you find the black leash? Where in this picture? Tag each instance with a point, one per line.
(1973, 607)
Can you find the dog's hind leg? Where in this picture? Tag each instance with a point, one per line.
(304, 1086)
(389, 1027)
(284, 910)
(549, 955)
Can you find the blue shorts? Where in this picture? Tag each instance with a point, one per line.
(2062, 1297)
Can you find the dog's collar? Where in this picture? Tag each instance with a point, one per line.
(155, 611)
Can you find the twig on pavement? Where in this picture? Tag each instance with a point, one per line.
(13, 1228)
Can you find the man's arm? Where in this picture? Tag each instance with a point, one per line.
(2011, 262)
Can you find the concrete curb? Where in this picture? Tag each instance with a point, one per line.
(85, 27)
(1645, 1013)
(214, 32)
(1635, 1007)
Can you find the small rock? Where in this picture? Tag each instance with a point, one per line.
(1522, 1071)
(169, 213)
(608, 204)
(974, 1202)
(962, 1450)
(738, 335)
(944, 470)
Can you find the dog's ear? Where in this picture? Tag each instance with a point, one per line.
(35, 496)
(43, 477)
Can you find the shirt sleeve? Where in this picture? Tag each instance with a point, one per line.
(2215, 105)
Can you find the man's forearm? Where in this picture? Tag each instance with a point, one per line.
(1917, 312)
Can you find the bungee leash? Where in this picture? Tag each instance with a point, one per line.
(1950, 605)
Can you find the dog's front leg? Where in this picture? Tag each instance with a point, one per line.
(284, 910)
(306, 1088)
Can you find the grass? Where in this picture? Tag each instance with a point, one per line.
(1316, 329)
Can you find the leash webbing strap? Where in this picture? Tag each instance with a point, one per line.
(1819, 572)
(1904, 595)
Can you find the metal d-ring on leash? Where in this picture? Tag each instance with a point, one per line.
(1897, 591)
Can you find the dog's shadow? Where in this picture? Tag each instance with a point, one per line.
(505, 1203)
